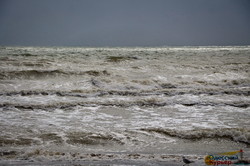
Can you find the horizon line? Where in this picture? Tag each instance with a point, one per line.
(126, 46)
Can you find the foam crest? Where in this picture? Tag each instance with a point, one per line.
(235, 134)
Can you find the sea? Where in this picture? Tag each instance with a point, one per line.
(151, 104)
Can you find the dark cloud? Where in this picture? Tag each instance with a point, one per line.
(124, 22)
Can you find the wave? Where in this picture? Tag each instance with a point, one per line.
(36, 74)
(120, 58)
(235, 134)
(73, 138)
(24, 54)
(96, 138)
(105, 98)
(88, 138)
(134, 92)
(21, 141)
(125, 104)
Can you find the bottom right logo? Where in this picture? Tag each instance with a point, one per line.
(227, 158)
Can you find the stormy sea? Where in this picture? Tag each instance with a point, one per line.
(133, 106)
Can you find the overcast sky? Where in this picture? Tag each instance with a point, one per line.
(124, 22)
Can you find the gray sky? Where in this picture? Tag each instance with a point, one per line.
(124, 22)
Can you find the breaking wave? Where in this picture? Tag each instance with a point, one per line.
(73, 138)
(235, 134)
(91, 138)
(150, 98)
(39, 74)
(151, 102)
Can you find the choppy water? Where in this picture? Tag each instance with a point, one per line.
(183, 100)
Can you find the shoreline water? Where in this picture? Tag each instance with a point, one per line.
(116, 159)
(111, 159)
(45, 157)
(93, 163)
